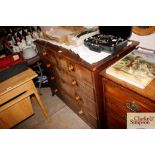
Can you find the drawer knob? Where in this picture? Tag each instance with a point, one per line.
(52, 77)
(44, 53)
(48, 65)
(77, 98)
(81, 112)
(132, 107)
(71, 68)
(74, 82)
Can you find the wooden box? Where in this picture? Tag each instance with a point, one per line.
(14, 112)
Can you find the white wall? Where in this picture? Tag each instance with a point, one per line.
(145, 41)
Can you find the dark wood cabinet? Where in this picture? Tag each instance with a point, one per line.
(121, 97)
(75, 81)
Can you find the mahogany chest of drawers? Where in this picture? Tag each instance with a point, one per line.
(121, 97)
(75, 81)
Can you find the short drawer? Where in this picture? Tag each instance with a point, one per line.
(75, 70)
(15, 113)
(48, 66)
(48, 56)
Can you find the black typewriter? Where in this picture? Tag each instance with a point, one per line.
(111, 39)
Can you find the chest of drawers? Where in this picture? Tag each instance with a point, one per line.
(121, 98)
(75, 81)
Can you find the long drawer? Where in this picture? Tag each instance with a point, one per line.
(79, 110)
(78, 95)
(77, 84)
(128, 101)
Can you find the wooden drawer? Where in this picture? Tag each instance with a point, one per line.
(89, 118)
(12, 114)
(75, 70)
(63, 75)
(47, 55)
(114, 121)
(118, 112)
(77, 92)
(119, 101)
(15, 92)
(79, 86)
(48, 66)
(67, 88)
(127, 100)
(115, 106)
(81, 111)
(89, 105)
(69, 100)
(85, 90)
(115, 115)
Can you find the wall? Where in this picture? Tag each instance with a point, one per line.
(147, 41)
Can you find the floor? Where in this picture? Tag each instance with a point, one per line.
(60, 115)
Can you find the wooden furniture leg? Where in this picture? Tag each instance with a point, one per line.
(39, 100)
(34, 99)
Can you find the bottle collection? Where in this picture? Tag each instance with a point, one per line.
(20, 39)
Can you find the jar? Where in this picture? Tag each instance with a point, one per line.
(29, 52)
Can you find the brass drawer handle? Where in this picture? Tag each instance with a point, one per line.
(80, 112)
(74, 82)
(71, 68)
(77, 98)
(48, 65)
(132, 107)
(44, 53)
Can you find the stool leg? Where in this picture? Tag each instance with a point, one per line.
(34, 99)
(39, 100)
(41, 103)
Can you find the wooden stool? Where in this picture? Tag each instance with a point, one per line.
(12, 92)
